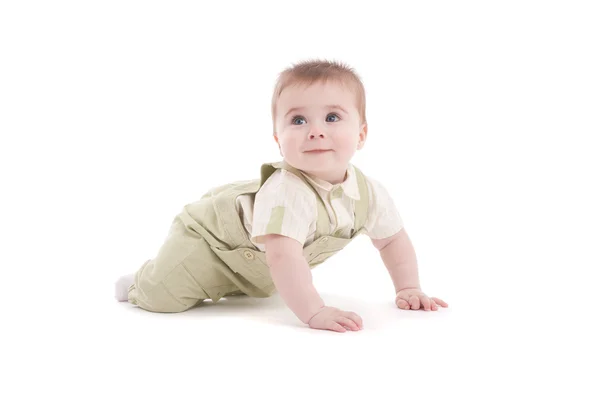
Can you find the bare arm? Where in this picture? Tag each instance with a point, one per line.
(398, 255)
(292, 276)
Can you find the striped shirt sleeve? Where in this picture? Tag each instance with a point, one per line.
(283, 206)
(383, 219)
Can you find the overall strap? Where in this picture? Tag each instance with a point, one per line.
(225, 204)
(323, 223)
(361, 207)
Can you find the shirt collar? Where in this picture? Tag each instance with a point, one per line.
(349, 186)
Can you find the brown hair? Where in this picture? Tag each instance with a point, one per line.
(312, 71)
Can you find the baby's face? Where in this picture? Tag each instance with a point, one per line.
(322, 117)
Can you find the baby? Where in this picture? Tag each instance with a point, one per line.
(265, 235)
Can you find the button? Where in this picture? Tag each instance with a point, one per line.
(248, 254)
(324, 239)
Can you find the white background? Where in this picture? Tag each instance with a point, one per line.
(483, 125)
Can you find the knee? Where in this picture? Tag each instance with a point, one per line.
(155, 297)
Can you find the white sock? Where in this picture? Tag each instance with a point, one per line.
(122, 287)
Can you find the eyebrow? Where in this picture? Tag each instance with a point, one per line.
(332, 106)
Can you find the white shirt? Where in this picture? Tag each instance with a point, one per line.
(284, 205)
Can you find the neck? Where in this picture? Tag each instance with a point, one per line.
(332, 176)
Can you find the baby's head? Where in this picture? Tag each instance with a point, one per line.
(319, 105)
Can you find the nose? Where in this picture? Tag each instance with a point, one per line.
(314, 132)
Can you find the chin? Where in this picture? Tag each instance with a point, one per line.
(311, 165)
(318, 166)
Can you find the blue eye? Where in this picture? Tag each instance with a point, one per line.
(330, 115)
(295, 119)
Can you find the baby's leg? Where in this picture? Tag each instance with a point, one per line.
(122, 286)
(182, 274)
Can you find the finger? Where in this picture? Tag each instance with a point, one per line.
(355, 317)
(440, 302)
(434, 306)
(414, 302)
(334, 326)
(401, 303)
(426, 302)
(348, 323)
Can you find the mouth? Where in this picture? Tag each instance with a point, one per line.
(318, 151)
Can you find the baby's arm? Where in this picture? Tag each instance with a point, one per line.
(400, 259)
(292, 277)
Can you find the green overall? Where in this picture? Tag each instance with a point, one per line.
(208, 254)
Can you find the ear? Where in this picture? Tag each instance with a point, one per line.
(277, 141)
(362, 136)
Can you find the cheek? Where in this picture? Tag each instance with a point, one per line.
(290, 143)
(346, 143)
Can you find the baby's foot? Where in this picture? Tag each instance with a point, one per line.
(122, 287)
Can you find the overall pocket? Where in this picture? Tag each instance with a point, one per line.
(321, 257)
(250, 264)
(324, 248)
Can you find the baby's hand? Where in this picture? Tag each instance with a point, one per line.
(415, 299)
(334, 319)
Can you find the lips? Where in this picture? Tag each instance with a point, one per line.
(318, 151)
